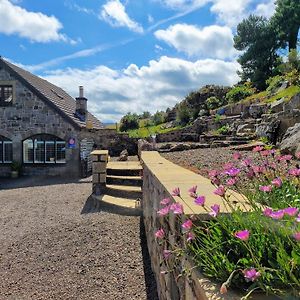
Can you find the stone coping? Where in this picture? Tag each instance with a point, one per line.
(171, 176)
(99, 152)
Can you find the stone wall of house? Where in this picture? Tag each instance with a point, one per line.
(29, 116)
(159, 178)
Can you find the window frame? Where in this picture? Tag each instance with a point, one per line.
(3, 103)
(5, 141)
(43, 139)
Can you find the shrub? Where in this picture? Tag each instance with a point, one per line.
(238, 93)
(274, 83)
(129, 121)
(223, 130)
(183, 115)
(213, 103)
(257, 250)
(159, 118)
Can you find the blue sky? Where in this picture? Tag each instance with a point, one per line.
(130, 55)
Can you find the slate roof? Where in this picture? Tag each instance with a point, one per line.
(53, 95)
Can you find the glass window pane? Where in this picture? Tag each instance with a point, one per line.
(1, 152)
(28, 151)
(39, 152)
(7, 93)
(50, 151)
(7, 152)
(60, 152)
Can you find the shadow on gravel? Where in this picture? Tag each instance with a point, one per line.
(30, 181)
(93, 206)
(150, 282)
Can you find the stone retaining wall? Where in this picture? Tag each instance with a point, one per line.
(160, 176)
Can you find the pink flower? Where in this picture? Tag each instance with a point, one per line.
(237, 156)
(267, 212)
(160, 234)
(190, 236)
(200, 200)
(215, 210)
(265, 188)
(258, 169)
(258, 149)
(295, 172)
(251, 274)
(287, 157)
(177, 208)
(213, 173)
(228, 166)
(231, 181)
(291, 211)
(242, 235)
(277, 182)
(176, 192)
(167, 254)
(164, 211)
(297, 155)
(188, 224)
(165, 201)
(265, 152)
(277, 215)
(296, 236)
(220, 191)
(215, 181)
(298, 218)
(193, 190)
(233, 172)
(250, 174)
(246, 162)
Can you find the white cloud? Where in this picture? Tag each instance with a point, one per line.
(183, 4)
(158, 85)
(31, 25)
(113, 12)
(211, 41)
(266, 9)
(230, 12)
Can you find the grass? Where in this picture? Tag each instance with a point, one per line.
(144, 132)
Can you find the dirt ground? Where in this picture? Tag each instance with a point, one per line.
(56, 245)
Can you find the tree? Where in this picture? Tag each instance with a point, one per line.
(257, 39)
(129, 121)
(183, 115)
(159, 117)
(286, 22)
(145, 115)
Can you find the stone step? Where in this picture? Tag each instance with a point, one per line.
(128, 192)
(124, 180)
(124, 172)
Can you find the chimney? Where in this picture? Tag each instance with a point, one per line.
(81, 105)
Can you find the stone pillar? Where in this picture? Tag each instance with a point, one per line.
(100, 159)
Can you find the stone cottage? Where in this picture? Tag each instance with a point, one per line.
(42, 127)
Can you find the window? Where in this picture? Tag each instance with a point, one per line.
(6, 95)
(44, 149)
(5, 150)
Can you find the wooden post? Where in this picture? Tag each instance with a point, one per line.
(100, 159)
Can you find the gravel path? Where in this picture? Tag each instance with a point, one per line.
(50, 250)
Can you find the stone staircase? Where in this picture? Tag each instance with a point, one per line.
(123, 192)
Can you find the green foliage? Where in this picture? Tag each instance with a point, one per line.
(223, 130)
(183, 115)
(238, 93)
(145, 115)
(159, 118)
(257, 39)
(286, 22)
(274, 83)
(129, 121)
(144, 132)
(213, 103)
(217, 118)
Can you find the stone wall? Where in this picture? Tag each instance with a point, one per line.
(160, 176)
(29, 116)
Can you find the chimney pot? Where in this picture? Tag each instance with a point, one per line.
(81, 91)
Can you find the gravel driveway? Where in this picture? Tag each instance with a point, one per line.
(53, 247)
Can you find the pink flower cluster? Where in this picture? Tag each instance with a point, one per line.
(279, 214)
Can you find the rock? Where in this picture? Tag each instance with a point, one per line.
(123, 156)
(247, 147)
(180, 147)
(278, 105)
(256, 110)
(245, 129)
(294, 103)
(291, 140)
(143, 145)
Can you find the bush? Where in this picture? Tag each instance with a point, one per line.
(129, 121)
(213, 103)
(183, 115)
(238, 93)
(223, 130)
(274, 83)
(159, 118)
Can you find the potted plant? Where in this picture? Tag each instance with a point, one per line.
(15, 169)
